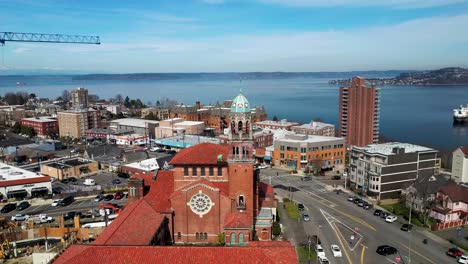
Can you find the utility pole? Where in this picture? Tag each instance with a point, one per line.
(410, 233)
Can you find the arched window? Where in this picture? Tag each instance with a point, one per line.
(241, 239)
(247, 128)
(197, 236)
(205, 236)
(233, 238)
(239, 126)
(241, 201)
(233, 127)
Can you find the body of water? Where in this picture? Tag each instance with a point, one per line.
(413, 114)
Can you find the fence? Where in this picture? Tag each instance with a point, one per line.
(441, 226)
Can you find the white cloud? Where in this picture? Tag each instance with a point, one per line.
(400, 4)
(213, 1)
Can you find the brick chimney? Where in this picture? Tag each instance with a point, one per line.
(135, 190)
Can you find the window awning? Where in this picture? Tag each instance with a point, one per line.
(18, 192)
(39, 189)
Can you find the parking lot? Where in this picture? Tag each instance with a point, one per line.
(104, 181)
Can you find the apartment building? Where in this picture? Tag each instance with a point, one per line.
(79, 98)
(309, 152)
(460, 164)
(283, 124)
(177, 126)
(75, 123)
(44, 125)
(359, 113)
(315, 128)
(384, 170)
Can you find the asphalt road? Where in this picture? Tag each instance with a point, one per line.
(334, 219)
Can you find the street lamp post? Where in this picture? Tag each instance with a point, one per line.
(409, 226)
(309, 241)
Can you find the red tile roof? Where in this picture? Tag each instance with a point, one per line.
(456, 193)
(201, 154)
(135, 225)
(160, 190)
(238, 220)
(464, 150)
(255, 252)
(24, 181)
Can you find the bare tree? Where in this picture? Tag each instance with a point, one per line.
(66, 96)
(118, 99)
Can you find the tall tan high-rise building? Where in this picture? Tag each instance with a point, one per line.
(359, 113)
(75, 123)
(79, 98)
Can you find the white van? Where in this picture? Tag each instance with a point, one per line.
(89, 182)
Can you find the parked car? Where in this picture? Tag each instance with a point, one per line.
(154, 149)
(55, 203)
(123, 175)
(89, 182)
(23, 205)
(367, 206)
(377, 212)
(118, 195)
(391, 218)
(351, 198)
(67, 200)
(116, 181)
(336, 177)
(357, 200)
(71, 215)
(463, 259)
(319, 250)
(361, 203)
(336, 251)
(454, 252)
(64, 181)
(306, 178)
(172, 152)
(72, 179)
(56, 190)
(406, 227)
(42, 219)
(306, 217)
(99, 198)
(300, 207)
(8, 208)
(108, 197)
(20, 217)
(385, 250)
(384, 214)
(323, 260)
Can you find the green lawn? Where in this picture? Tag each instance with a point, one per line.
(401, 210)
(303, 254)
(291, 209)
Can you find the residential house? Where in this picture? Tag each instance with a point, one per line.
(451, 207)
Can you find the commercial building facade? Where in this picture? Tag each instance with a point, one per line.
(384, 170)
(19, 183)
(460, 164)
(177, 126)
(69, 168)
(306, 152)
(359, 113)
(315, 128)
(75, 123)
(43, 126)
(139, 126)
(283, 124)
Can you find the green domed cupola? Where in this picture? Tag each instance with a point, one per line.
(240, 104)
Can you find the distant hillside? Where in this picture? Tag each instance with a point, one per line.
(445, 76)
(235, 75)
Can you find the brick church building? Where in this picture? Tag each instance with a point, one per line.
(212, 192)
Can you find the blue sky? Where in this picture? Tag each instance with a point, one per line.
(239, 35)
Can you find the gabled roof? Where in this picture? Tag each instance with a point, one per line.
(223, 187)
(201, 154)
(135, 156)
(430, 184)
(464, 149)
(255, 252)
(103, 150)
(160, 190)
(237, 220)
(135, 225)
(456, 193)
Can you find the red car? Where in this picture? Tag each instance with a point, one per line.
(119, 195)
(454, 252)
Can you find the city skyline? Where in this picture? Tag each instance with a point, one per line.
(225, 36)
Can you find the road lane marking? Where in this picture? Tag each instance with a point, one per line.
(419, 254)
(362, 254)
(341, 243)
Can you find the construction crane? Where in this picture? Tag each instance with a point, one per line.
(49, 38)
